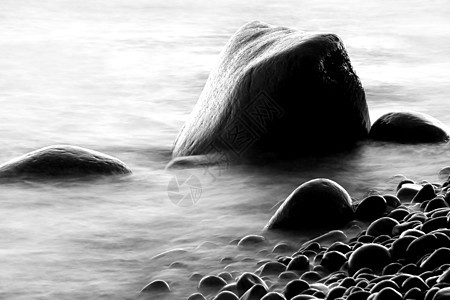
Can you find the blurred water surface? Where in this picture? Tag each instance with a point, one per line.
(122, 76)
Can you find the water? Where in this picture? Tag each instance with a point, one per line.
(122, 76)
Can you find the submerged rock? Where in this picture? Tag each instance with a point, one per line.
(409, 127)
(270, 84)
(62, 161)
(316, 204)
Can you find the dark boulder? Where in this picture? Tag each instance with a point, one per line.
(408, 127)
(62, 161)
(316, 204)
(270, 83)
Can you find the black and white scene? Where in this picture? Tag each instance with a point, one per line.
(224, 150)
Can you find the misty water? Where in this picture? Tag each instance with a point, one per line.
(122, 76)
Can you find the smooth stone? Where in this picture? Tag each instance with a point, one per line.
(226, 276)
(398, 214)
(273, 296)
(388, 293)
(408, 191)
(211, 282)
(435, 204)
(248, 280)
(288, 275)
(426, 193)
(196, 296)
(408, 127)
(305, 297)
(435, 223)
(251, 240)
(333, 260)
(340, 246)
(311, 276)
(272, 268)
(279, 81)
(226, 295)
(195, 277)
(437, 258)
(398, 247)
(373, 256)
(294, 288)
(444, 277)
(231, 287)
(414, 282)
(384, 284)
(281, 248)
(444, 173)
(411, 269)
(336, 293)
(299, 263)
(392, 200)
(316, 204)
(157, 286)
(382, 226)
(421, 246)
(430, 294)
(371, 208)
(61, 162)
(404, 226)
(256, 292)
(358, 295)
(412, 232)
(414, 293)
(392, 268)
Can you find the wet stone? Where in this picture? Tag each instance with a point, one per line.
(392, 200)
(246, 281)
(373, 256)
(426, 193)
(211, 283)
(382, 226)
(299, 263)
(311, 276)
(250, 241)
(273, 296)
(437, 258)
(333, 260)
(272, 268)
(371, 208)
(256, 292)
(226, 295)
(388, 293)
(398, 214)
(157, 287)
(436, 203)
(295, 287)
(196, 296)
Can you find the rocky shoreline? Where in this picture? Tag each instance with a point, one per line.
(399, 252)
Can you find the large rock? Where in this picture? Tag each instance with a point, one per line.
(62, 161)
(316, 204)
(408, 127)
(277, 90)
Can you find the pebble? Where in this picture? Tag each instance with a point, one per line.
(408, 191)
(426, 193)
(373, 256)
(382, 226)
(299, 263)
(371, 208)
(251, 241)
(272, 268)
(246, 281)
(256, 292)
(273, 296)
(226, 295)
(392, 200)
(156, 286)
(294, 288)
(388, 293)
(196, 296)
(211, 282)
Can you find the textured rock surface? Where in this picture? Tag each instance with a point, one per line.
(277, 90)
(62, 161)
(319, 203)
(409, 127)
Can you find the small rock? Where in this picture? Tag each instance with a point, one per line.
(294, 288)
(382, 226)
(246, 281)
(226, 295)
(408, 191)
(437, 258)
(392, 200)
(316, 204)
(388, 293)
(196, 296)
(256, 292)
(211, 282)
(272, 268)
(408, 127)
(299, 263)
(333, 260)
(426, 193)
(371, 208)
(373, 256)
(156, 286)
(251, 241)
(273, 296)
